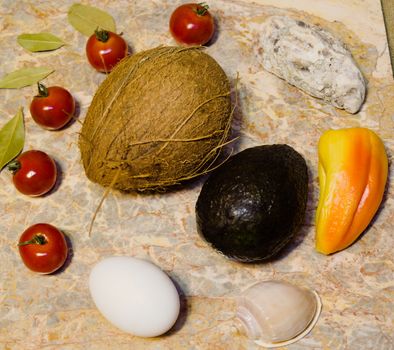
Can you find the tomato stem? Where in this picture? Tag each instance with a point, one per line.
(37, 239)
(42, 90)
(102, 35)
(202, 8)
(14, 166)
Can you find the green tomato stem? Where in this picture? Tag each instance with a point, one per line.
(14, 166)
(42, 90)
(203, 10)
(37, 239)
(102, 35)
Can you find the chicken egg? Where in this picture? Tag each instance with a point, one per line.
(135, 295)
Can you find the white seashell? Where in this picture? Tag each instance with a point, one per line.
(312, 59)
(277, 313)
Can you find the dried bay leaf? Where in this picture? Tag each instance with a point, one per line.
(24, 77)
(40, 42)
(12, 138)
(86, 19)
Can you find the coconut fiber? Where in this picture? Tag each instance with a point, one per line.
(160, 117)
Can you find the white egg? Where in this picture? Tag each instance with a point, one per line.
(134, 295)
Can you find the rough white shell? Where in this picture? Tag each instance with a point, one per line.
(312, 59)
(276, 313)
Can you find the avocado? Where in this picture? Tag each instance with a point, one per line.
(254, 204)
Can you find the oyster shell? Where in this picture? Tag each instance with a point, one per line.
(312, 59)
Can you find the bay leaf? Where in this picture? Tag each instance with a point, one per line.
(12, 138)
(86, 19)
(24, 77)
(40, 42)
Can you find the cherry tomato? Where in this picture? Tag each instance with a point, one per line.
(43, 248)
(53, 107)
(105, 49)
(34, 173)
(192, 24)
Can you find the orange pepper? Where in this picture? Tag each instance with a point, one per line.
(353, 169)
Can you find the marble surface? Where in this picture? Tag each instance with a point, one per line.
(56, 312)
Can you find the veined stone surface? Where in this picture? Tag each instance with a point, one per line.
(56, 312)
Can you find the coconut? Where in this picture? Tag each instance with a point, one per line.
(159, 118)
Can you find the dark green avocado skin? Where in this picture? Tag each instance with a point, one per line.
(255, 203)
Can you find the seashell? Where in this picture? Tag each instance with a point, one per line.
(277, 313)
(312, 59)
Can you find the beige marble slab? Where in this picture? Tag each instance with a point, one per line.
(56, 312)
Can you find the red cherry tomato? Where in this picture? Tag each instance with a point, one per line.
(34, 173)
(53, 107)
(192, 24)
(43, 248)
(105, 49)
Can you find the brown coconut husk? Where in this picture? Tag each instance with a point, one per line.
(159, 118)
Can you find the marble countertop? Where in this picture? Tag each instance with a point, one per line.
(56, 311)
